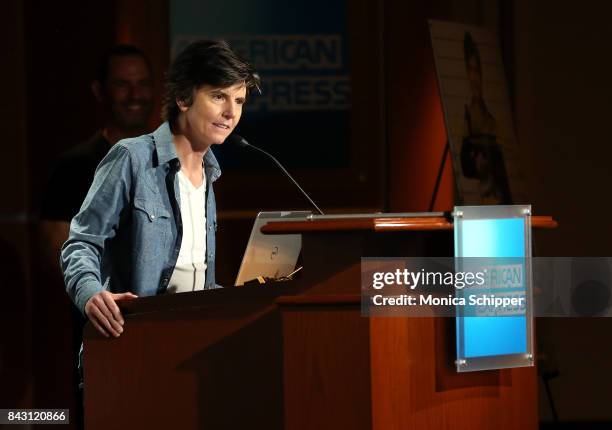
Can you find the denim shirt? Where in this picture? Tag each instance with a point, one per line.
(127, 234)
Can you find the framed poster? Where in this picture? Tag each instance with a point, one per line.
(478, 115)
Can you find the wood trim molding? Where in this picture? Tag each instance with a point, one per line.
(380, 224)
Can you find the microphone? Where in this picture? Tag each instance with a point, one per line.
(235, 139)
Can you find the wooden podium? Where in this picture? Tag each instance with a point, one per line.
(299, 355)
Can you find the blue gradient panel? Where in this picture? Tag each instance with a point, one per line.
(490, 336)
(493, 238)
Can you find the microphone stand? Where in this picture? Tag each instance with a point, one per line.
(242, 142)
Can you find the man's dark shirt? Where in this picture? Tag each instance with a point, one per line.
(71, 178)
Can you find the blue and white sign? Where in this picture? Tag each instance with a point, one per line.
(498, 240)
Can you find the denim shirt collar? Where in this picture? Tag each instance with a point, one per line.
(166, 152)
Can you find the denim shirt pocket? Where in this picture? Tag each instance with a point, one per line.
(153, 230)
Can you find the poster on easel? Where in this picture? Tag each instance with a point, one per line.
(477, 114)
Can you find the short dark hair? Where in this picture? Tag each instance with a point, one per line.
(470, 49)
(117, 51)
(204, 62)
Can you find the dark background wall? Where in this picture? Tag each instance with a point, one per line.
(562, 94)
(558, 70)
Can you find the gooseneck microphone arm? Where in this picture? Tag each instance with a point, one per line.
(241, 141)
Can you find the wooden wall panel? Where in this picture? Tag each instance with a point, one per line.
(414, 121)
(326, 368)
(418, 394)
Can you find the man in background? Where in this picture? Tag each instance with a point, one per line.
(124, 88)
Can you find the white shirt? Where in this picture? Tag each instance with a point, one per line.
(190, 270)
